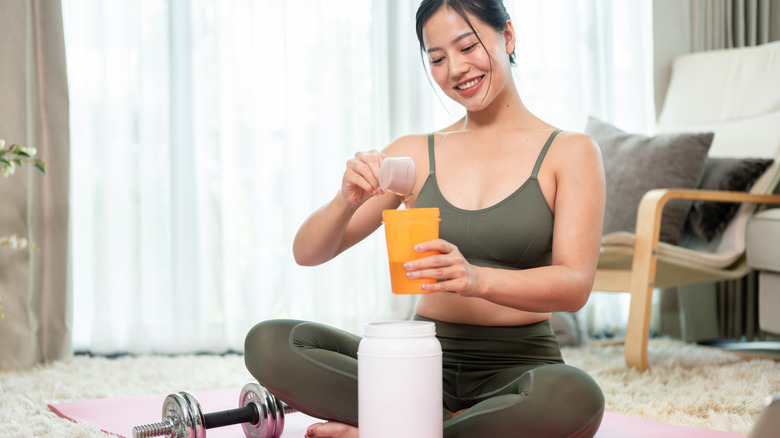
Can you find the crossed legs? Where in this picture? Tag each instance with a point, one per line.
(313, 368)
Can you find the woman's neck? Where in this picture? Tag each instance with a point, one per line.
(506, 111)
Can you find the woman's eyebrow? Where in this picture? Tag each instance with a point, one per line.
(458, 38)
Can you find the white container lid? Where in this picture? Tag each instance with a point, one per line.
(395, 329)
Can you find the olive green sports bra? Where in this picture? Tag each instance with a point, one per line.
(515, 233)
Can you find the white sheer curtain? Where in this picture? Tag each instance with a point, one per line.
(586, 57)
(205, 131)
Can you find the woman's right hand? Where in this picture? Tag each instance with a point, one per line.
(361, 179)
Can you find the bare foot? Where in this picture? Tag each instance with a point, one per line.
(331, 429)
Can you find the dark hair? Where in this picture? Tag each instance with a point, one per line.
(491, 12)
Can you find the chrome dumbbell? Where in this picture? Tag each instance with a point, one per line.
(260, 414)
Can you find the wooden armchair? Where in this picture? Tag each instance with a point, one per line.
(734, 93)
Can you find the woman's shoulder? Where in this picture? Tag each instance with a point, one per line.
(576, 138)
(407, 145)
(577, 143)
(574, 152)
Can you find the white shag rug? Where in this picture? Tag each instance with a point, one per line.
(688, 385)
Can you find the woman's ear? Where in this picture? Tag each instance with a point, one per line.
(509, 37)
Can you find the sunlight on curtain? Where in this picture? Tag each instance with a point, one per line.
(586, 57)
(205, 131)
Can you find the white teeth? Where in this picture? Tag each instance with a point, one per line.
(469, 84)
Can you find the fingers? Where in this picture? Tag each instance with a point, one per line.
(447, 266)
(367, 164)
(437, 267)
(439, 245)
(445, 261)
(363, 173)
(373, 159)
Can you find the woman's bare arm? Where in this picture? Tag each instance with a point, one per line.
(356, 210)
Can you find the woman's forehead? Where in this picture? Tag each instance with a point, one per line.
(446, 26)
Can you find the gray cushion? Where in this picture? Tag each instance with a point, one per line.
(635, 163)
(707, 219)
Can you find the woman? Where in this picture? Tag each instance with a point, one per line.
(500, 177)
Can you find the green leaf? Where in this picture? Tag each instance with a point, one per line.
(40, 166)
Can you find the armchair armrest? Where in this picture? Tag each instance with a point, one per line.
(648, 222)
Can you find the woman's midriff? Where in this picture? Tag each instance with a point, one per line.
(451, 307)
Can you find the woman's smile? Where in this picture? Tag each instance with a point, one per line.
(469, 87)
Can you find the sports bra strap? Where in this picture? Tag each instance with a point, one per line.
(431, 162)
(543, 153)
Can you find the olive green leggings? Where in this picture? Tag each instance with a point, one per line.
(511, 380)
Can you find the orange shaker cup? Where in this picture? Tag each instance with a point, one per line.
(403, 230)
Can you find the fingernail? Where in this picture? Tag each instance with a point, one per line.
(407, 265)
(416, 247)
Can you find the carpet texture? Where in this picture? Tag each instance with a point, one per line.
(689, 385)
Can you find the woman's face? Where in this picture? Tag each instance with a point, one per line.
(460, 65)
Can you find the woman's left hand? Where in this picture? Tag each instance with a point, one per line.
(451, 270)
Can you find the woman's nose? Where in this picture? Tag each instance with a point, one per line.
(458, 66)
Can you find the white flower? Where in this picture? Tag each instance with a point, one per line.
(2, 143)
(29, 150)
(13, 242)
(9, 169)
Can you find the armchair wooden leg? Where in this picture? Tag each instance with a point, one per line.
(648, 226)
(638, 328)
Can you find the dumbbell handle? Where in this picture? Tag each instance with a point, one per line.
(246, 414)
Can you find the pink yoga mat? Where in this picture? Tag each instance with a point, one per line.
(119, 415)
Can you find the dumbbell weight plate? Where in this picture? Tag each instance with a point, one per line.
(269, 425)
(197, 424)
(176, 409)
(279, 417)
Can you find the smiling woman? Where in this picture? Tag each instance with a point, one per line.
(449, 59)
(220, 121)
(521, 204)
